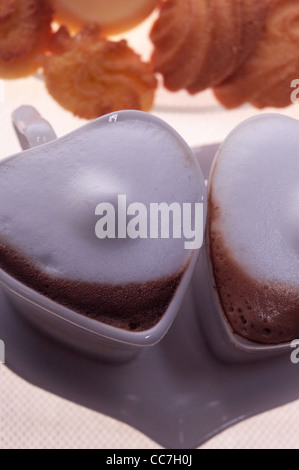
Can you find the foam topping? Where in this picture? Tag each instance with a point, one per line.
(256, 187)
(49, 195)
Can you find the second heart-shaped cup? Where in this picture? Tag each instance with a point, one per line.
(251, 263)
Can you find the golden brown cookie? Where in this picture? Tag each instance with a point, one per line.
(24, 34)
(265, 79)
(199, 43)
(91, 76)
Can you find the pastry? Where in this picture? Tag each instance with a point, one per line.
(24, 34)
(199, 43)
(265, 79)
(114, 16)
(91, 76)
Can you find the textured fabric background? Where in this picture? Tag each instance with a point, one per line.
(31, 418)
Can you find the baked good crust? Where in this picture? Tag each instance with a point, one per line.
(91, 76)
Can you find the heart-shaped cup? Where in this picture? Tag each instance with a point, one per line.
(250, 264)
(100, 230)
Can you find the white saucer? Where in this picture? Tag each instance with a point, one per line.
(177, 392)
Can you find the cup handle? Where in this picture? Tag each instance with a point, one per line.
(31, 128)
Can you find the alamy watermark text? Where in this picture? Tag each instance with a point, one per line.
(157, 220)
(295, 93)
(295, 353)
(2, 352)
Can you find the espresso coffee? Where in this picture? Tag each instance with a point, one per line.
(48, 217)
(253, 229)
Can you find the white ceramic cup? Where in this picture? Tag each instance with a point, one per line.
(223, 341)
(61, 323)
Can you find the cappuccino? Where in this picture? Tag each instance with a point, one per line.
(253, 229)
(48, 217)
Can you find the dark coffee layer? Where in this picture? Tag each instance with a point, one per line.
(262, 312)
(132, 306)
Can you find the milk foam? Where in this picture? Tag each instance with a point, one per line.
(256, 186)
(49, 195)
